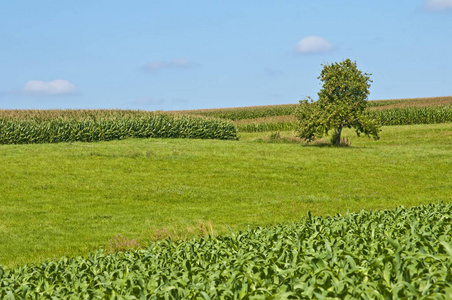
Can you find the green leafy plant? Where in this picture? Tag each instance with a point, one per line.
(342, 103)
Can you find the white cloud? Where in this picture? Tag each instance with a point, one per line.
(313, 44)
(176, 63)
(54, 87)
(437, 5)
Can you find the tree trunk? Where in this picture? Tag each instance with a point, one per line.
(337, 142)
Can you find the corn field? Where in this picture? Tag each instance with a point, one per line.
(27, 127)
(404, 253)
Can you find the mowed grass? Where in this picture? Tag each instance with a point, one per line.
(70, 198)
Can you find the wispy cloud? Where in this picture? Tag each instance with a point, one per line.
(157, 103)
(273, 72)
(176, 63)
(438, 5)
(313, 44)
(44, 88)
(147, 101)
(180, 101)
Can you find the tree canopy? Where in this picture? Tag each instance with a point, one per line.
(341, 104)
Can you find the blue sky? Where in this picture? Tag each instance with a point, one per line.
(173, 55)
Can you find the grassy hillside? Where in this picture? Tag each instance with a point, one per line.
(69, 198)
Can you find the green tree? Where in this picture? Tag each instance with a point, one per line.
(342, 103)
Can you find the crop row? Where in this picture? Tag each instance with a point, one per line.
(404, 253)
(98, 127)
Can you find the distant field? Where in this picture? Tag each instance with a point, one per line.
(254, 112)
(70, 198)
(281, 117)
(410, 102)
(240, 113)
(389, 112)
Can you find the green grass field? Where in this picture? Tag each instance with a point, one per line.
(70, 198)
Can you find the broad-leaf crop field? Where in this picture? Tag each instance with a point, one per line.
(397, 254)
(224, 218)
